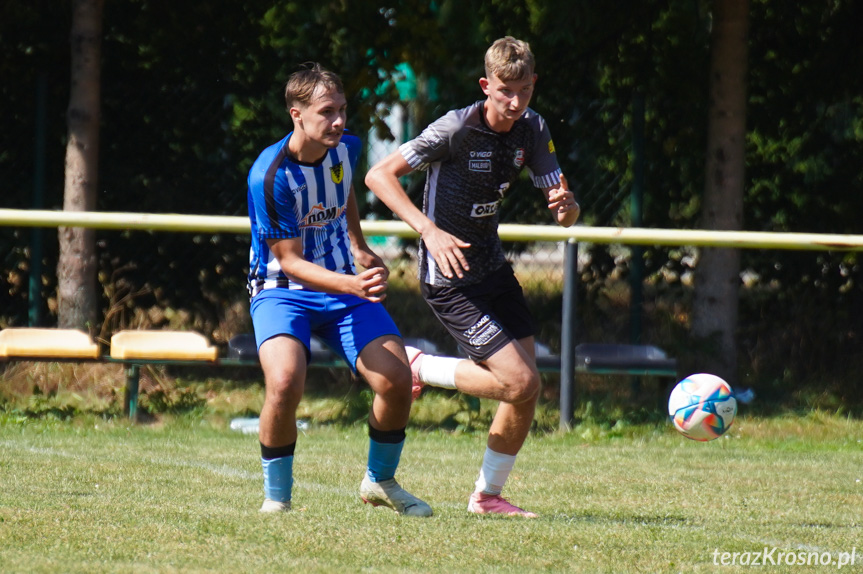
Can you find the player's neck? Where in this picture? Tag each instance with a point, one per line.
(495, 121)
(305, 150)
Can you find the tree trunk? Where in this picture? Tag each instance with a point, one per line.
(76, 267)
(717, 280)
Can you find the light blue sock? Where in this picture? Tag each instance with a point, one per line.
(383, 459)
(278, 478)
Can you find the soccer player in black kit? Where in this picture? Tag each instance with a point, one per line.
(472, 156)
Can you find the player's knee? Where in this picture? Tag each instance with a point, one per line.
(285, 390)
(523, 388)
(394, 385)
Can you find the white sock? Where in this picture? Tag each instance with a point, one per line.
(438, 371)
(494, 472)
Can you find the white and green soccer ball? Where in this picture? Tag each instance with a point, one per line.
(702, 407)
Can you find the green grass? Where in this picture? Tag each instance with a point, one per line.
(88, 494)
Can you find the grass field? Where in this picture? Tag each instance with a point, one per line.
(95, 495)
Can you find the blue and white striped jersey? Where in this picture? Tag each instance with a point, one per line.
(288, 199)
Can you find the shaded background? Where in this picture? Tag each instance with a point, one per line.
(192, 91)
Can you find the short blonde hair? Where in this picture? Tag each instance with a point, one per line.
(301, 86)
(509, 59)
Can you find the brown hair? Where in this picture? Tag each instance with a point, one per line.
(303, 83)
(509, 59)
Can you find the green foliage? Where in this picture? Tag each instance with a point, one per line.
(175, 399)
(805, 115)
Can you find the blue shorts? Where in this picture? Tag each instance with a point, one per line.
(345, 323)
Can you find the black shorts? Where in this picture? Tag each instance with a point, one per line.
(483, 317)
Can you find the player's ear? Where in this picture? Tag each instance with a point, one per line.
(483, 83)
(295, 114)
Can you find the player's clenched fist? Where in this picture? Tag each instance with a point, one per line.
(371, 284)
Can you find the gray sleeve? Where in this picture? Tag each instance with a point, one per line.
(543, 167)
(433, 144)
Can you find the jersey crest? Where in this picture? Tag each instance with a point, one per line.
(337, 172)
(518, 160)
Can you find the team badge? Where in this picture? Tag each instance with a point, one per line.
(550, 146)
(337, 172)
(518, 160)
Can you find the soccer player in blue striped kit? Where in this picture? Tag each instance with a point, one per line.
(472, 157)
(306, 238)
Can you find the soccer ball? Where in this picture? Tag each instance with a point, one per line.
(702, 407)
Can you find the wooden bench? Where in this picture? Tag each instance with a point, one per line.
(591, 358)
(614, 359)
(135, 348)
(605, 359)
(47, 344)
(242, 350)
(130, 348)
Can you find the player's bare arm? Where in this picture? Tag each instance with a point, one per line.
(371, 284)
(562, 204)
(383, 180)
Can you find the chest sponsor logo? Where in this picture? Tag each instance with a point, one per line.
(518, 159)
(337, 172)
(319, 216)
(482, 331)
(480, 154)
(484, 209)
(300, 189)
(483, 165)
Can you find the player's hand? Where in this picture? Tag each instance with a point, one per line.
(446, 250)
(368, 259)
(371, 284)
(562, 203)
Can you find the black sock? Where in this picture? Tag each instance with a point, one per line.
(387, 436)
(271, 452)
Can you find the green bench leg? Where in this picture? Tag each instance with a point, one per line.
(133, 373)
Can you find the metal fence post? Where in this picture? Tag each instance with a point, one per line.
(34, 293)
(567, 335)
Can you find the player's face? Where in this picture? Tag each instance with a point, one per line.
(507, 100)
(323, 120)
